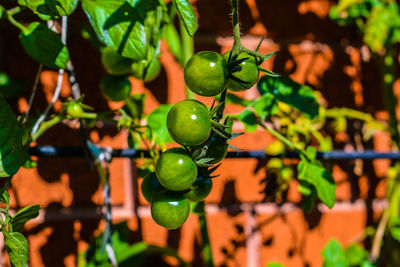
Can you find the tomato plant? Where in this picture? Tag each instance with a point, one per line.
(128, 35)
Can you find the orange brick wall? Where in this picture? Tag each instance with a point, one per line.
(244, 230)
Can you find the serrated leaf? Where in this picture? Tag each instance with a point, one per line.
(290, 92)
(157, 121)
(24, 215)
(121, 25)
(11, 151)
(333, 255)
(249, 120)
(320, 178)
(45, 46)
(52, 8)
(355, 255)
(187, 15)
(17, 248)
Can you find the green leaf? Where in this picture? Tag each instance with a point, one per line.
(344, 4)
(5, 197)
(52, 8)
(377, 28)
(355, 255)
(171, 36)
(333, 255)
(320, 178)
(290, 92)
(45, 46)
(121, 25)
(265, 105)
(11, 151)
(24, 215)
(157, 121)
(127, 255)
(187, 15)
(249, 120)
(17, 248)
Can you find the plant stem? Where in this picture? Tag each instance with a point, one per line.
(236, 27)
(389, 96)
(187, 53)
(10, 13)
(206, 245)
(284, 140)
(46, 125)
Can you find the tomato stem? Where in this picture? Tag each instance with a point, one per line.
(236, 27)
(206, 246)
(9, 15)
(187, 53)
(47, 125)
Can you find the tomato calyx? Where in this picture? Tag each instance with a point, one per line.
(75, 109)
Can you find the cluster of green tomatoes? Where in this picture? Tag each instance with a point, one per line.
(183, 174)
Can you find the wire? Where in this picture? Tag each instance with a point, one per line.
(74, 151)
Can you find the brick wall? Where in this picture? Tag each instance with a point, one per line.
(244, 230)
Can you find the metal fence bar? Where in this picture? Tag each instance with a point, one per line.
(67, 151)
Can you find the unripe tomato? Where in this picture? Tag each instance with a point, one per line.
(114, 63)
(138, 70)
(249, 72)
(176, 170)
(170, 209)
(217, 149)
(206, 73)
(115, 88)
(75, 110)
(200, 189)
(151, 187)
(189, 123)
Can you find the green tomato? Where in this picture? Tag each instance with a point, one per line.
(170, 209)
(217, 149)
(206, 73)
(176, 170)
(115, 88)
(153, 70)
(114, 63)
(200, 189)
(75, 110)
(151, 187)
(248, 74)
(189, 123)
